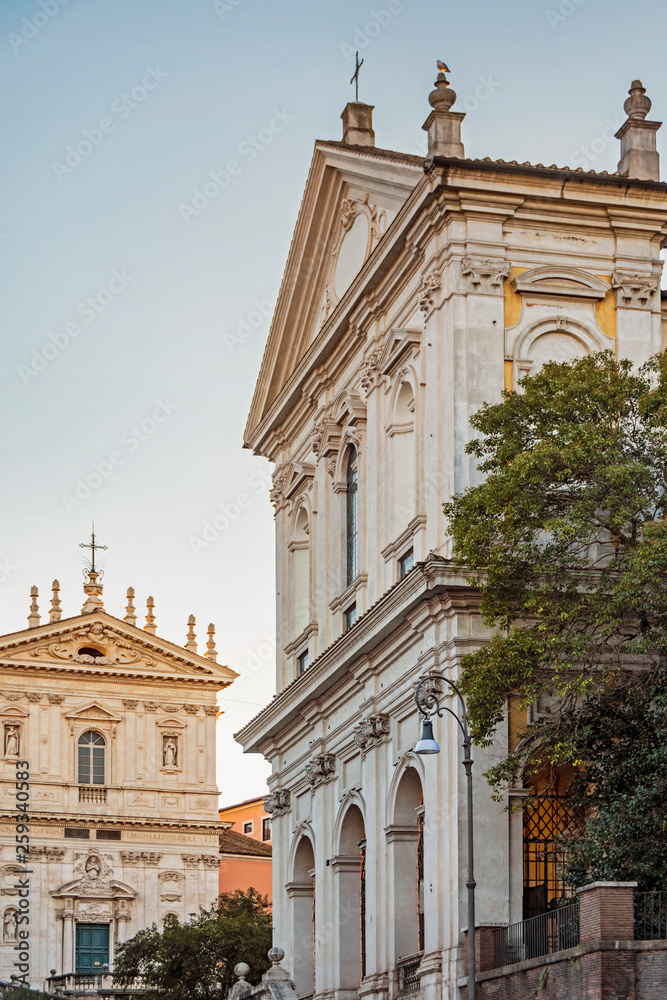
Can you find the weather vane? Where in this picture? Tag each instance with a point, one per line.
(355, 77)
(93, 546)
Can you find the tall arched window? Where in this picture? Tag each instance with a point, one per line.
(405, 466)
(352, 518)
(301, 572)
(91, 758)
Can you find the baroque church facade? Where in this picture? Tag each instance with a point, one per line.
(415, 290)
(108, 797)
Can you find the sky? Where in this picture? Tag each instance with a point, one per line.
(154, 154)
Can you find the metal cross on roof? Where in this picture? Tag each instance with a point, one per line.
(93, 546)
(355, 77)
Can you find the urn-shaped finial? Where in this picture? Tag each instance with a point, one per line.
(443, 97)
(637, 105)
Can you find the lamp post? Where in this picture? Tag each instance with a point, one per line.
(428, 703)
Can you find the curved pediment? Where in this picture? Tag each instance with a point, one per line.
(79, 888)
(561, 281)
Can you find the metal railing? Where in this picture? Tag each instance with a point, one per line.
(546, 934)
(408, 974)
(651, 916)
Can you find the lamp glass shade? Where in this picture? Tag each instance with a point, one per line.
(427, 743)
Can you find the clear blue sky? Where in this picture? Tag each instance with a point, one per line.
(156, 95)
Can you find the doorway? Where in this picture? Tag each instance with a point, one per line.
(92, 947)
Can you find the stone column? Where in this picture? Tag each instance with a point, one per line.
(402, 849)
(68, 941)
(347, 956)
(301, 897)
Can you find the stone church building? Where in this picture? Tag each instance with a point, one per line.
(415, 290)
(108, 797)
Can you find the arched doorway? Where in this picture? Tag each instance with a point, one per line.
(349, 871)
(405, 838)
(301, 893)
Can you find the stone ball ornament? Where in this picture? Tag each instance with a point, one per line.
(276, 955)
(241, 970)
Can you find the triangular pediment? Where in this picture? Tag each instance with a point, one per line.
(351, 198)
(99, 643)
(400, 345)
(93, 711)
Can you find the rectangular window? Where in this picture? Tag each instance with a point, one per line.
(266, 829)
(350, 616)
(77, 833)
(405, 563)
(247, 827)
(302, 662)
(352, 516)
(108, 835)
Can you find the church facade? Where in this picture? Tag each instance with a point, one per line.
(415, 290)
(108, 797)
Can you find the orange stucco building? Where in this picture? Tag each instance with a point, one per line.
(249, 818)
(244, 863)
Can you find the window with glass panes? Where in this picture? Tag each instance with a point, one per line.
(352, 516)
(91, 759)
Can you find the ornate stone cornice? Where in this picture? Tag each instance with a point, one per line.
(485, 276)
(320, 769)
(277, 802)
(371, 731)
(633, 290)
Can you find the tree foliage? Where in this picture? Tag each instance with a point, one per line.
(195, 960)
(566, 539)
(622, 735)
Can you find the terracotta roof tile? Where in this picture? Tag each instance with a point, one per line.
(232, 842)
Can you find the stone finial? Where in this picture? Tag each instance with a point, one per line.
(211, 652)
(444, 125)
(150, 625)
(55, 614)
(130, 614)
(637, 105)
(241, 988)
(93, 591)
(191, 642)
(639, 155)
(34, 617)
(358, 124)
(443, 97)
(276, 973)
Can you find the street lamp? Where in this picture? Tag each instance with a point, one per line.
(429, 705)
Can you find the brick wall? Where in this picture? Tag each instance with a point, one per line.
(607, 964)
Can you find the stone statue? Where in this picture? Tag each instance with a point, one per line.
(9, 925)
(12, 741)
(170, 753)
(93, 869)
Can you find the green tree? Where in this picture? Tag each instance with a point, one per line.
(195, 960)
(567, 542)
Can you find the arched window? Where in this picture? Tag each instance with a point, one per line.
(404, 459)
(91, 758)
(352, 518)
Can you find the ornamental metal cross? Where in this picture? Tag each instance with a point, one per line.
(92, 546)
(355, 77)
